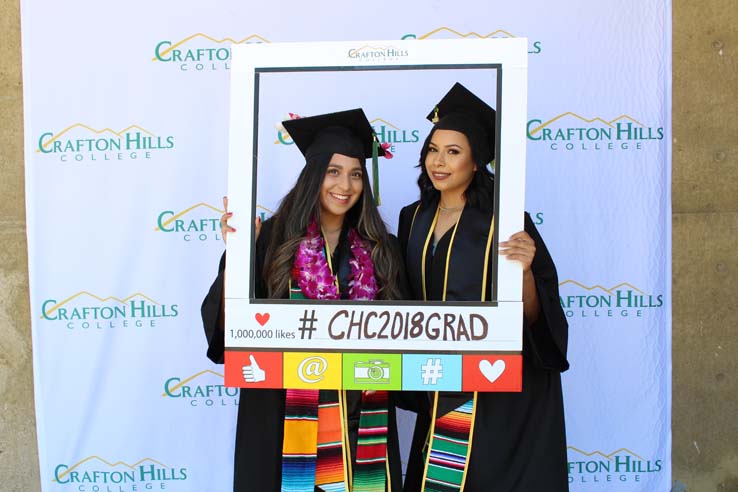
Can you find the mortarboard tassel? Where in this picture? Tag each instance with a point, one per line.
(375, 170)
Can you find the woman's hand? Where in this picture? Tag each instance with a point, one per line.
(519, 247)
(225, 228)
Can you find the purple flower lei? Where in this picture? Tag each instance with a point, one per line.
(314, 277)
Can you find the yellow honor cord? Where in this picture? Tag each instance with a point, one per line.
(471, 437)
(330, 262)
(346, 443)
(486, 258)
(430, 440)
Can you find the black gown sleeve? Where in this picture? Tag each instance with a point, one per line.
(545, 341)
(213, 319)
(262, 244)
(212, 315)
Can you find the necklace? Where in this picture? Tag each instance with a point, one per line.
(450, 209)
(313, 275)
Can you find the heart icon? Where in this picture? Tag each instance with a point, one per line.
(262, 319)
(492, 371)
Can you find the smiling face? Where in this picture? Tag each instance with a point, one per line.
(342, 186)
(449, 162)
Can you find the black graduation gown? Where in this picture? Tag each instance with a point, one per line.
(519, 440)
(260, 425)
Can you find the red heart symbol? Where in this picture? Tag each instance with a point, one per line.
(262, 319)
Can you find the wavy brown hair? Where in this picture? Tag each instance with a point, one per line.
(301, 205)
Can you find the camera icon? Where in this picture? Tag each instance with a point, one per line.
(372, 372)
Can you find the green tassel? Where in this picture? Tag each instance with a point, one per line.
(375, 170)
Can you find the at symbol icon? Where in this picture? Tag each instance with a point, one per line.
(311, 370)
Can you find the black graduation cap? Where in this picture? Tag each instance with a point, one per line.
(461, 110)
(345, 132)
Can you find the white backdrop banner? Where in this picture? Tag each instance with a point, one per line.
(126, 143)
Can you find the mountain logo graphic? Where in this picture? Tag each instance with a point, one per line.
(201, 52)
(449, 33)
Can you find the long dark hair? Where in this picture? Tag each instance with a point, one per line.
(480, 192)
(301, 205)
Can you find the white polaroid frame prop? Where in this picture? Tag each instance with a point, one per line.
(270, 325)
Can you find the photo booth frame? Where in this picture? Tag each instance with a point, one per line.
(289, 337)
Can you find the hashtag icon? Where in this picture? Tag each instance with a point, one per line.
(308, 325)
(431, 371)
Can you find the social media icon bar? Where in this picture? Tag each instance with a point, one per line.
(374, 371)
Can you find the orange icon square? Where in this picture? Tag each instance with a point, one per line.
(492, 373)
(253, 369)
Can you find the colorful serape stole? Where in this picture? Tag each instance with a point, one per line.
(314, 447)
(315, 450)
(450, 445)
(331, 474)
(299, 448)
(370, 472)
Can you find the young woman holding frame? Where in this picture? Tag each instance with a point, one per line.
(326, 241)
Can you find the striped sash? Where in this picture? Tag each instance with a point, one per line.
(299, 448)
(450, 446)
(315, 451)
(371, 451)
(331, 474)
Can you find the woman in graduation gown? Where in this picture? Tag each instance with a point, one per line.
(517, 441)
(326, 241)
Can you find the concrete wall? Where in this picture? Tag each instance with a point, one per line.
(705, 189)
(18, 460)
(705, 218)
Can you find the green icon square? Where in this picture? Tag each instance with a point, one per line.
(372, 371)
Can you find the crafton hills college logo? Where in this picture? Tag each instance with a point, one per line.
(84, 144)
(534, 46)
(200, 52)
(376, 54)
(97, 474)
(600, 468)
(198, 223)
(202, 389)
(571, 132)
(595, 301)
(90, 312)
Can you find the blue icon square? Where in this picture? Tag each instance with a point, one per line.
(431, 372)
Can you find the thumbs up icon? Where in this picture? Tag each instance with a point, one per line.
(253, 373)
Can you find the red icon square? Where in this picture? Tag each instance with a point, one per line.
(253, 369)
(492, 373)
